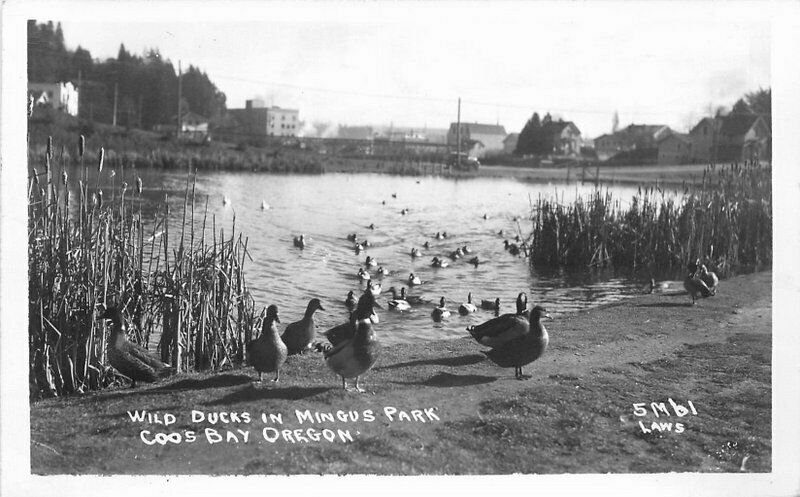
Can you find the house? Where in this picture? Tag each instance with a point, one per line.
(704, 139)
(633, 137)
(675, 148)
(194, 125)
(477, 139)
(565, 137)
(735, 137)
(510, 143)
(258, 121)
(62, 96)
(744, 137)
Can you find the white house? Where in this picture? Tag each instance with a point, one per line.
(62, 96)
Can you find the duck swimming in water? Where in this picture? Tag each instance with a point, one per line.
(382, 272)
(467, 307)
(300, 242)
(131, 360)
(355, 356)
(299, 335)
(441, 312)
(370, 262)
(519, 351)
(350, 301)
(491, 305)
(504, 328)
(415, 252)
(413, 280)
(398, 304)
(267, 353)
(363, 275)
(436, 262)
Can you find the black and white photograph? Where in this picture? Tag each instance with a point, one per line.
(342, 239)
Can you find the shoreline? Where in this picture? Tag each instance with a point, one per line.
(576, 410)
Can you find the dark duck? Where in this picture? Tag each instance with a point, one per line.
(519, 351)
(504, 328)
(355, 356)
(130, 359)
(298, 335)
(267, 353)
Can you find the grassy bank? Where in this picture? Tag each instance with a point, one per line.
(576, 415)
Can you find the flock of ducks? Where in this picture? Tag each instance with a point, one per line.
(514, 339)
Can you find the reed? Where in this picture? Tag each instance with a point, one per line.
(725, 219)
(87, 250)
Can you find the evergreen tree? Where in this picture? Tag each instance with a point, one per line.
(527, 137)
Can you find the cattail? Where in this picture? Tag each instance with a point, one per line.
(64, 177)
(100, 199)
(100, 157)
(35, 177)
(49, 146)
(47, 165)
(124, 187)
(81, 146)
(30, 106)
(139, 185)
(112, 173)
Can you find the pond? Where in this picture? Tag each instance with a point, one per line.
(395, 214)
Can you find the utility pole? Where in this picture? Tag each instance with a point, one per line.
(80, 89)
(178, 131)
(114, 117)
(458, 135)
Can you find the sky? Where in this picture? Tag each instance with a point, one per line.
(407, 63)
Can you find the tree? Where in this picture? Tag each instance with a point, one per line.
(527, 137)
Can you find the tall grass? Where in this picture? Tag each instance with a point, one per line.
(98, 249)
(725, 220)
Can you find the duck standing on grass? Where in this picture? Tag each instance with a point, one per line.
(500, 330)
(299, 335)
(130, 359)
(695, 285)
(709, 278)
(524, 349)
(355, 356)
(267, 353)
(467, 307)
(440, 313)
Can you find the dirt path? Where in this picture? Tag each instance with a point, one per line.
(463, 414)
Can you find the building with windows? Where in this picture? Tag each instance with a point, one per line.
(477, 139)
(259, 121)
(62, 96)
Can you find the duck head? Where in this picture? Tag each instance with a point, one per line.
(313, 305)
(522, 302)
(365, 307)
(539, 312)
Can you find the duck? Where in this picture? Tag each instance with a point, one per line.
(455, 255)
(398, 304)
(370, 262)
(358, 248)
(264, 205)
(342, 332)
(512, 248)
(267, 353)
(695, 286)
(352, 237)
(298, 335)
(441, 312)
(466, 250)
(439, 235)
(475, 261)
(411, 299)
(436, 262)
(491, 305)
(371, 226)
(382, 271)
(415, 252)
(403, 212)
(300, 242)
(350, 300)
(522, 350)
(413, 280)
(709, 278)
(131, 360)
(374, 288)
(355, 356)
(426, 245)
(363, 275)
(467, 307)
(504, 328)
(225, 200)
